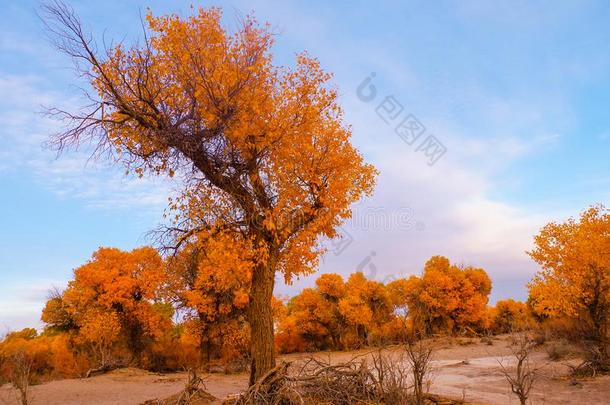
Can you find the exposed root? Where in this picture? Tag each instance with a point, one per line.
(191, 388)
(275, 387)
(193, 394)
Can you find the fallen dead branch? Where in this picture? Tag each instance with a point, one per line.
(379, 377)
(342, 383)
(597, 361)
(316, 381)
(102, 370)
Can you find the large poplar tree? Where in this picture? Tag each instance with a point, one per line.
(260, 150)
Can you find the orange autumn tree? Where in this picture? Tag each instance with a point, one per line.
(56, 314)
(209, 284)
(510, 316)
(331, 287)
(401, 327)
(312, 319)
(336, 315)
(24, 360)
(366, 306)
(262, 150)
(447, 298)
(574, 282)
(111, 299)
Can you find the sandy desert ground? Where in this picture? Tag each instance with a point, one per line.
(462, 369)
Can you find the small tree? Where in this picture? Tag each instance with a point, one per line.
(20, 375)
(110, 302)
(419, 357)
(574, 282)
(101, 332)
(521, 379)
(508, 316)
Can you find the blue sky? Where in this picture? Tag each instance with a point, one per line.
(517, 92)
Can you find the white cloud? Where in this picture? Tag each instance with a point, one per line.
(22, 303)
(453, 215)
(453, 202)
(72, 175)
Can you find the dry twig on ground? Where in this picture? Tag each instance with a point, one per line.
(379, 377)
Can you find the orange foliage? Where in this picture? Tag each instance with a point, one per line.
(26, 346)
(336, 315)
(365, 306)
(110, 302)
(211, 285)
(360, 312)
(574, 282)
(510, 316)
(447, 299)
(311, 319)
(67, 362)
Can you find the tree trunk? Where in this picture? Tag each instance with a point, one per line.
(24, 397)
(204, 353)
(261, 320)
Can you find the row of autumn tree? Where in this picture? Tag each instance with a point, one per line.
(446, 299)
(135, 308)
(189, 310)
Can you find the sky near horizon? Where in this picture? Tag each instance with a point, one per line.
(517, 93)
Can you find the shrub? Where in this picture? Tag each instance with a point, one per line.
(558, 350)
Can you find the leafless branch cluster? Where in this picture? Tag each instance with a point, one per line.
(20, 365)
(523, 376)
(419, 356)
(317, 381)
(394, 376)
(193, 393)
(66, 33)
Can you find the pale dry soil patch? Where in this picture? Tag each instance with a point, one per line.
(463, 368)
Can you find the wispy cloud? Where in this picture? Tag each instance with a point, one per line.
(23, 302)
(23, 132)
(494, 83)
